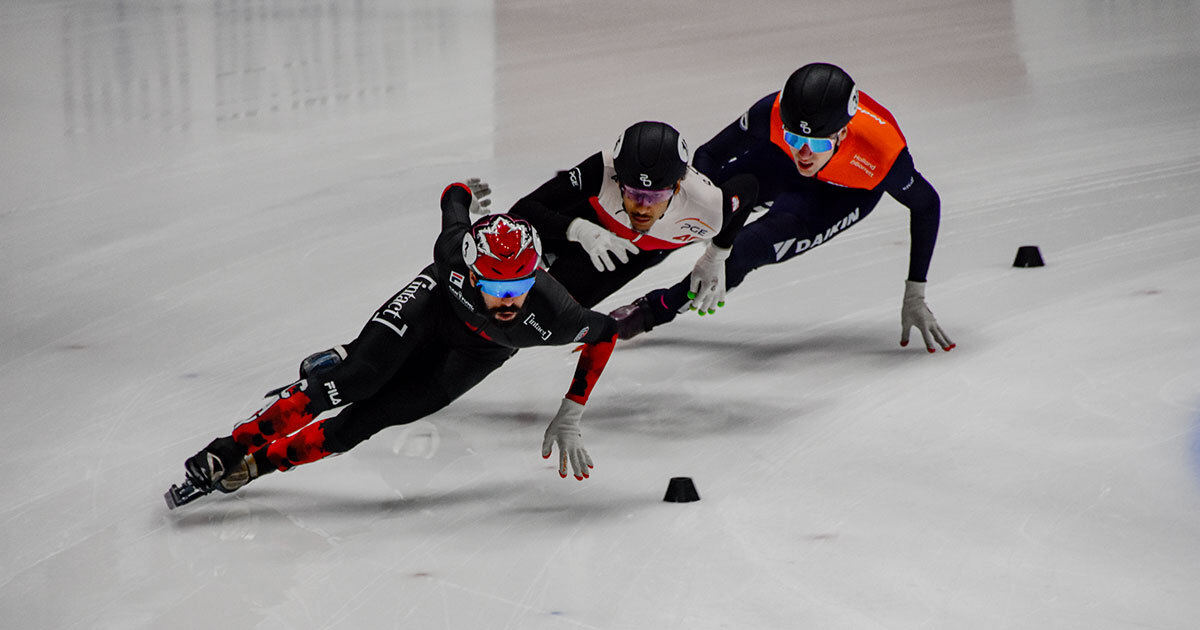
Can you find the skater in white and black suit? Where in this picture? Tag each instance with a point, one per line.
(462, 317)
(611, 217)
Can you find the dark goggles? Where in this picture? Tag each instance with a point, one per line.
(506, 288)
(816, 145)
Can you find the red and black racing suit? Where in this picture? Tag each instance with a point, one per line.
(422, 349)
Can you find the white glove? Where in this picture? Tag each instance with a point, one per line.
(914, 312)
(599, 243)
(708, 280)
(479, 192)
(564, 429)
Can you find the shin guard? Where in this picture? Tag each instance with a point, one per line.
(308, 445)
(286, 414)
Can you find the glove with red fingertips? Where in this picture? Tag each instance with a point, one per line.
(915, 313)
(564, 431)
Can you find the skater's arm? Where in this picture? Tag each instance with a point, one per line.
(910, 188)
(739, 195)
(549, 208)
(456, 204)
(734, 140)
(592, 360)
(564, 429)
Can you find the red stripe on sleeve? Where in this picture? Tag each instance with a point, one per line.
(591, 364)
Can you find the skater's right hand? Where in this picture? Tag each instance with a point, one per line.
(707, 288)
(600, 244)
(479, 193)
(564, 430)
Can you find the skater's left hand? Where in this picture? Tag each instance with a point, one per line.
(914, 312)
(564, 430)
(707, 288)
(479, 193)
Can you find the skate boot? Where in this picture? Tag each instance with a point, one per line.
(220, 466)
(633, 319)
(242, 473)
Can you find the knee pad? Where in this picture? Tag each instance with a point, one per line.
(322, 362)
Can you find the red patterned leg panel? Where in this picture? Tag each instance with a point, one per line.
(283, 416)
(306, 446)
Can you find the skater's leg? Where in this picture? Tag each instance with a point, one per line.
(291, 410)
(434, 379)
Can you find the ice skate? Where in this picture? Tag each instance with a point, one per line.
(633, 319)
(208, 468)
(222, 465)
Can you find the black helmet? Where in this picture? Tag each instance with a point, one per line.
(818, 100)
(650, 155)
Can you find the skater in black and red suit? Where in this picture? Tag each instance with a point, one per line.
(462, 317)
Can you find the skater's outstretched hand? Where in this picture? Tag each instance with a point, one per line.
(914, 312)
(479, 197)
(564, 430)
(707, 288)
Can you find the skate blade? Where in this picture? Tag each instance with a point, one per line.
(182, 495)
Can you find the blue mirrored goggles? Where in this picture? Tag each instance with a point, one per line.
(816, 145)
(506, 288)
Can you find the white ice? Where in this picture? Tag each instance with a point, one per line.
(195, 195)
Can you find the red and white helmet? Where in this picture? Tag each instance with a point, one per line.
(501, 249)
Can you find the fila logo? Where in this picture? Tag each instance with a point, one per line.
(334, 397)
(456, 279)
(646, 180)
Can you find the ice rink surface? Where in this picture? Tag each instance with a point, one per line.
(196, 195)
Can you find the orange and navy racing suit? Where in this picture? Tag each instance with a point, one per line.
(805, 212)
